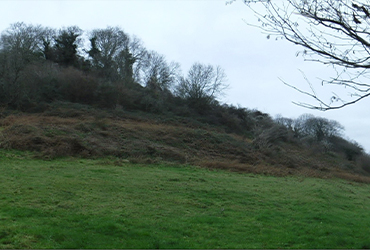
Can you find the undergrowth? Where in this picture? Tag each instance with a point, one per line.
(82, 131)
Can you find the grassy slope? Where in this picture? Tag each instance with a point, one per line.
(145, 138)
(74, 203)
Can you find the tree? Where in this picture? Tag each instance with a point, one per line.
(20, 45)
(130, 59)
(331, 32)
(48, 43)
(66, 45)
(318, 128)
(310, 126)
(322, 128)
(106, 45)
(202, 85)
(156, 73)
(115, 53)
(22, 39)
(286, 122)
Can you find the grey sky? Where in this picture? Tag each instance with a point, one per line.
(206, 31)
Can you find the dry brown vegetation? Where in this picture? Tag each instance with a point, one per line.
(141, 138)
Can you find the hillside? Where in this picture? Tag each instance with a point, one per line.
(105, 204)
(62, 95)
(66, 129)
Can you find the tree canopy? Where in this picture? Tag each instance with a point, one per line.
(40, 64)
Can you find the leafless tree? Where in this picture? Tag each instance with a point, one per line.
(22, 38)
(20, 44)
(286, 122)
(318, 128)
(307, 125)
(331, 32)
(203, 83)
(156, 73)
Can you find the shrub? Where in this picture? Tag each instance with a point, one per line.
(129, 98)
(267, 137)
(107, 95)
(77, 86)
(363, 162)
(350, 150)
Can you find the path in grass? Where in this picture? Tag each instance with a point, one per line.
(74, 203)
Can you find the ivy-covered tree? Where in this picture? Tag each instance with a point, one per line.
(114, 53)
(130, 60)
(106, 45)
(66, 45)
(48, 43)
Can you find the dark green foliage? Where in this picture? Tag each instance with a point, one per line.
(77, 86)
(128, 61)
(47, 51)
(351, 150)
(364, 162)
(107, 95)
(66, 44)
(94, 51)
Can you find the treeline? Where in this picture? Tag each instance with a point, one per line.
(108, 68)
(102, 67)
(322, 132)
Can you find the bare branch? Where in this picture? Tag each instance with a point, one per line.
(331, 32)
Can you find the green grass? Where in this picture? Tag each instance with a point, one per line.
(79, 203)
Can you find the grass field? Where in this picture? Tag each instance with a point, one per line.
(107, 203)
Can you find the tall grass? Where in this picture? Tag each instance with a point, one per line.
(106, 203)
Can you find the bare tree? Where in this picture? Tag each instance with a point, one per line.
(20, 45)
(286, 122)
(22, 38)
(317, 128)
(331, 32)
(156, 73)
(203, 84)
(307, 125)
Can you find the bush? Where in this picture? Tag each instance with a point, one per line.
(77, 86)
(363, 162)
(129, 98)
(350, 150)
(268, 137)
(107, 95)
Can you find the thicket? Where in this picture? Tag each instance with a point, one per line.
(109, 69)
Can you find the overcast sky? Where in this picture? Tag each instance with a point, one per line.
(206, 31)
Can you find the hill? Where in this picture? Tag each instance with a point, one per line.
(67, 129)
(63, 95)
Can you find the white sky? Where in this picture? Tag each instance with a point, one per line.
(206, 31)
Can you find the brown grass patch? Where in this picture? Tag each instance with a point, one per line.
(144, 140)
